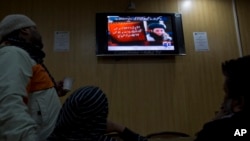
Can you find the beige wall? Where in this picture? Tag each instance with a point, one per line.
(147, 94)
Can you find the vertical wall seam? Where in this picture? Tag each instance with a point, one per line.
(236, 23)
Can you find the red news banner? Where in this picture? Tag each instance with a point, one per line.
(124, 32)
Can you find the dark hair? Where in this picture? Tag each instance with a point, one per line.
(156, 25)
(237, 73)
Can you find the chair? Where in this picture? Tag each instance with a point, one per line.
(167, 134)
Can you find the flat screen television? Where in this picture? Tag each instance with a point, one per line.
(134, 34)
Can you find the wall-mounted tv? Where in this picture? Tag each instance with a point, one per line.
(132, 34)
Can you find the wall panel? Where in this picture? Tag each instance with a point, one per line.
(242, 9)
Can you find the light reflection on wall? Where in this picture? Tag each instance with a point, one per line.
(184, 5)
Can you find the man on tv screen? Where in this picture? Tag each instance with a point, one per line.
(157, 33)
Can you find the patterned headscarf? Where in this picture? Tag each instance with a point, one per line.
(83, 117)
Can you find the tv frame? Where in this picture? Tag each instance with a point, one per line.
(102, 36)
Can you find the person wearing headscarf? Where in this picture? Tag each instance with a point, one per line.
(83, 117)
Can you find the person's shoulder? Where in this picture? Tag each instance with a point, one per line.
(16, 54)
(241, 120)
(14, 51)
(224, 128)
(212, 130)
(218, 123)
(236, 121)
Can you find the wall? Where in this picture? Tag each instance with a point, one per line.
(146, 94)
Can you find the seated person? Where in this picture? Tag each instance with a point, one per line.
(83, 117)
(235, 108)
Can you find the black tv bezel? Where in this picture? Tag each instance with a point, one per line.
(102, 36)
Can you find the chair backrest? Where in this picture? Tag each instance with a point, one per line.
(167, 134)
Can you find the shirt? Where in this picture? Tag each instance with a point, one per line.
(20, 121)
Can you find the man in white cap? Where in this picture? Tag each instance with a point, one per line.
(29, 102)
(28, 97)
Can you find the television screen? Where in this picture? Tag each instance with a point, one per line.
(124, 34)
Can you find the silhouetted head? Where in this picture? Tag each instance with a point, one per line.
(237, 80)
